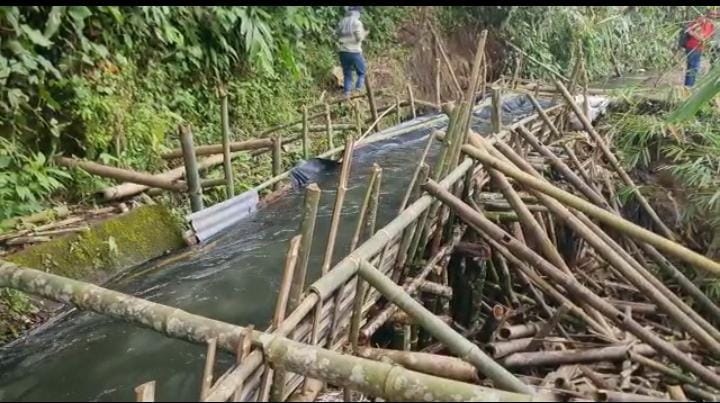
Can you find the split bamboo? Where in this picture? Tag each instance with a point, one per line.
(411, 97)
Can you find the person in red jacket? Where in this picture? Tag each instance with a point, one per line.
(700, 32)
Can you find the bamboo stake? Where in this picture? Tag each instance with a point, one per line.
(496, 116)
(613, 161)
(277, 159)
(602, 215)
(329, 127)
(571, 285)
(453, 340)
(227, 162)
(243, 350)
(305, 139)
(416, 174)
(145, 392)
(191, 170)
(358, 119)
(207, 378)
(339, 200)
(411, 98)
(374, 201)
(441, 48)
(307, 229)
(364, 208)
(371, 100)
(397, 110)
(438, 100)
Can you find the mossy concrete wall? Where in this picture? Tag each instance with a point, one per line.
(109, 247)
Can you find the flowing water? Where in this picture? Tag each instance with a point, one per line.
(235, 278)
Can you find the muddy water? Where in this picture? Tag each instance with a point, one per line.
(85, 356)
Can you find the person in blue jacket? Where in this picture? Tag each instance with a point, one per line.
(351, 33)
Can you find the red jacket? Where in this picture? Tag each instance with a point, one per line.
(705, 28)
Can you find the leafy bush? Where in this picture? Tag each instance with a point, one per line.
(26, 179)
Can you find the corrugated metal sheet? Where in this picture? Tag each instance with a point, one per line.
(212, 220)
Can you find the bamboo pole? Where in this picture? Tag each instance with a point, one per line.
(445, 58)
(277, 159)
(243, 350)
(496, 116)
(398, 112)
(613, 161)
(227, 162)
(438, 100)
(600, 214)
(701, 393)
(145, 392)
(571, 285)
(659, 367)
(374, 201)
(358, 119)
(207, 378)
(191, 170)
(364, 208)
(329, 127)
(371, 99)
(375, 123)
(210, 149)
(121, 174)
(307, 229)
(305, 138)
(453, 340)
(411, 98)
(432, 364)
(339, 200)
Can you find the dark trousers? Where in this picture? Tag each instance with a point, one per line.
(352, 62)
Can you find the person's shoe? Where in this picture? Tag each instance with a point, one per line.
(346, 96)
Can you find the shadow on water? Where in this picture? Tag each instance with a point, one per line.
(85, 356)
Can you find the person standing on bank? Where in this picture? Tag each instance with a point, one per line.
(351, 33)
(699, 33)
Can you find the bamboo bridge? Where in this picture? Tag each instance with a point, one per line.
(555, 320)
